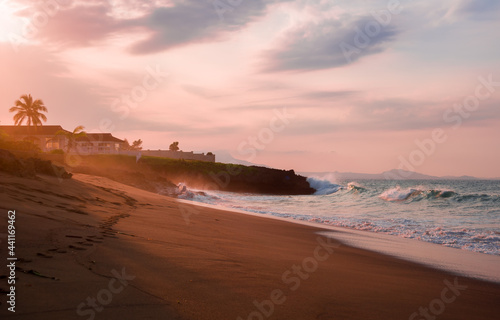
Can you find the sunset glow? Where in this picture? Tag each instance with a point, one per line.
(357, 86)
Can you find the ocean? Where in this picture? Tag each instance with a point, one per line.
(462, 214)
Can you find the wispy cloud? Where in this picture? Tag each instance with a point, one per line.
(194, 21)
(310, 99)
(161, 25)
(484, 9)
(76, 23)
(317, 46)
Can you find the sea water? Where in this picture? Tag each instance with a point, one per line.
(454, 213)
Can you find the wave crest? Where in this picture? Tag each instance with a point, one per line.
(355, 187)
(417, 193)
(323, 187)
(398, 194)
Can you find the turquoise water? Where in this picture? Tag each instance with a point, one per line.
(460, 214)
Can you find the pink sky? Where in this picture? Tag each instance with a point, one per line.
(269, 82)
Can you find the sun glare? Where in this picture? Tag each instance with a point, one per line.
(9, 23)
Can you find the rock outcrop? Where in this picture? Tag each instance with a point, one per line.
(29, 167)
(163, 173)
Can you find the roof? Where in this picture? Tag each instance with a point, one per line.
(52, 130)
(23, 130)
(99, 137)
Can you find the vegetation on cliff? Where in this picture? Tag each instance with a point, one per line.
(196, 174)
(29, 167)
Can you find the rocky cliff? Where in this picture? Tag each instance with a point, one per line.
(197, 174)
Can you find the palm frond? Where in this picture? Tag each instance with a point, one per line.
(77, 129)
(19, 118)
(27, 98)
(26, 108)
(19, 115)
(20, 104)
(15, 109)
(38, 103)
(37, 121)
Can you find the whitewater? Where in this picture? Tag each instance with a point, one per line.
(452, 213)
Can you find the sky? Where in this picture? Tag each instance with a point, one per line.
(349, 86)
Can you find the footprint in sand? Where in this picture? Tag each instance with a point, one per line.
(75, 247)
(78, 211)
(93, 241)
(83, 243)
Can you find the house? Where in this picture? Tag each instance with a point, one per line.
(45, 137)
(98, 143)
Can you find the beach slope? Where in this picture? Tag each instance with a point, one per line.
(92, 248)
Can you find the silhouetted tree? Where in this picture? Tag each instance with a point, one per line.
(72, 136)
(174, 146)
(136, 145)
(30, 110)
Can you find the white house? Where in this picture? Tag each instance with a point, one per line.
(98, 143)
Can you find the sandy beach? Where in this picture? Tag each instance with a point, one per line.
(92, 248)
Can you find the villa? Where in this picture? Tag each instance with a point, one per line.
(99, 143)
(47, 139)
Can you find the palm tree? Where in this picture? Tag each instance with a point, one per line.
(72, 136)
(30, 110)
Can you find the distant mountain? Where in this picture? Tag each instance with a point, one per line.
(460, 178)
(387, 175)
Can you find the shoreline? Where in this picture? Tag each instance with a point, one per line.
(463, 262)
(177, 260)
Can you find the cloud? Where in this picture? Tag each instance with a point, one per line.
(162, 25)
(329, 44)
(199, 91)
(399, 115)
(327, 95)
(484, 9)
(309, 99)
(71, 23)
(197, 21)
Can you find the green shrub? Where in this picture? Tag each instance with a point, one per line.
(19, 145)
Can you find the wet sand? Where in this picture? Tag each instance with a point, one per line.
(91, 248)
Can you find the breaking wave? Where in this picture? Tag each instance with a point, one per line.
(323, 187)
(355, 187)
(418, 194)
